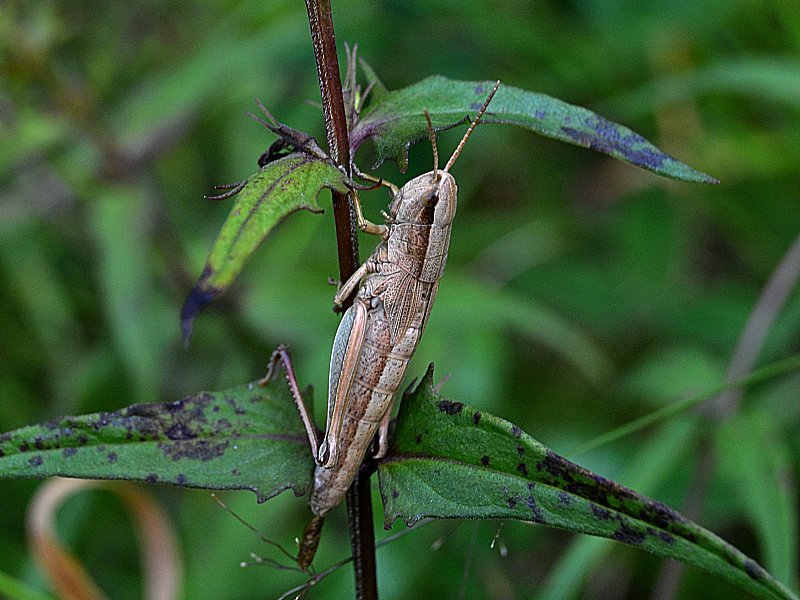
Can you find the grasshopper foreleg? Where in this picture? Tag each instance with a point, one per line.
(392, 187)
(365, 225)
(281, 354)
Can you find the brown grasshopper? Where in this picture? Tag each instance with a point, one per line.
(380, 331)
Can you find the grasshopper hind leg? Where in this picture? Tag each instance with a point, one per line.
(281, 355)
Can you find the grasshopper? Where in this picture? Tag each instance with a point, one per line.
(379, 333)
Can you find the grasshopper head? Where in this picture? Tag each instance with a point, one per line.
(429, 199)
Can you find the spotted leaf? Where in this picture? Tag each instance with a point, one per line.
(396, 121)
(449, 460)
(249, 437)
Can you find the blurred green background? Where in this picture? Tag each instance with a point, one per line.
(580, 293)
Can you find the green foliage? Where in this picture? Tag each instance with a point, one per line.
(16, 590)
(755, 458)
(245, 438)
(646, 472)
(394, 121)
(447, 460)
(143, 104)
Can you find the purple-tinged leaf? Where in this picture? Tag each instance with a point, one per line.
(397, 121)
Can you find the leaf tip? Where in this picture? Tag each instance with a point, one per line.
(197, 300)
(683, 172)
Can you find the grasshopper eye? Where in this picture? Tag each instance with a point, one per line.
(430, 197)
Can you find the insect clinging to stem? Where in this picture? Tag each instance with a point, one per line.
(395, 289)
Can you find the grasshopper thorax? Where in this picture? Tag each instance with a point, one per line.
(429, 199)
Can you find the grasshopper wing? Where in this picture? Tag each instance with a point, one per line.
(344, 362)
(400, 302)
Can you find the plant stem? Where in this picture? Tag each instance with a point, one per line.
(362, 532)
(359, 501)
(330, 87)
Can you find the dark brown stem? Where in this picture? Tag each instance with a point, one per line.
(362, 532)
(359, 501)
(330, 86)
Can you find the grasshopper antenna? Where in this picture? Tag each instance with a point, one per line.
(471, 127)
(432, 137)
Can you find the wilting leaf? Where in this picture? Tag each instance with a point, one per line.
(397, 121)
(161, 570)
(249, 437)
(278, 189)
(452, 461)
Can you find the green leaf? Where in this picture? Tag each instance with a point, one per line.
(277, 190)
(452, 461)
(245, 438)
(753, 453)
(397, 121)
(30, 133)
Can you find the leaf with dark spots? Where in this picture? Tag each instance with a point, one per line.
(450, 408)
(280, 188)
(628, 535)
(397, 121)
(249, 437)
(196, 450)
(180, 431)
(448, 474)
